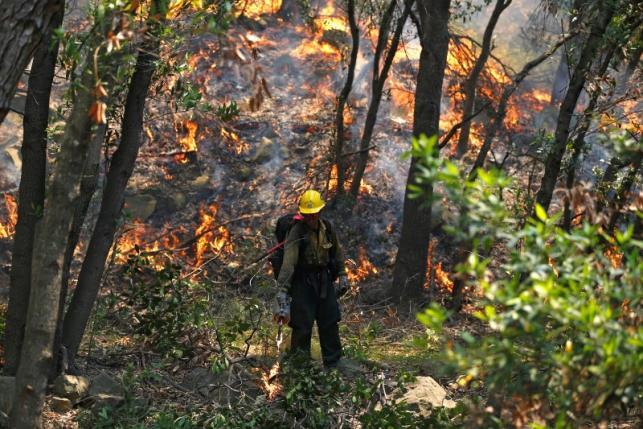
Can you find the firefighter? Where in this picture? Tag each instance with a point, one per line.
(313, 260)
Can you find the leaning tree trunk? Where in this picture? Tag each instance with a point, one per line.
(501, 112)
(341, 102)
(579, 141)
(88, 186)
(48, 254)
(120, 170)
(561, 135)
(469, 90)
(411, 261)
(379, 78)
(24, 24)
(31, 193)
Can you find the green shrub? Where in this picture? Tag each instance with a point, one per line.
(563, 308)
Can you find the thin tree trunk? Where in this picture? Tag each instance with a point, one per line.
(341, 101)
(562, 75)
(379, 79)
(31, 191)
(501, 112)
(88, 186)
(556, 153)
(623, 191)
(24, 25)
(50, 242)
(607, 181)
(579, 141)
(120, 170)
(470, 84)
(411, 261)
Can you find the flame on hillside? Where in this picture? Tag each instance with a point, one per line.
(234, 142)
(363, 269)
(210, 237)
(148, 239)
(615, 257)
(253, 9)
(9, 228)
(364, 187)
(270, 383)
(435, 272)
(188, 142)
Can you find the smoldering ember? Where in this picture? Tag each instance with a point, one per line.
(321, 214)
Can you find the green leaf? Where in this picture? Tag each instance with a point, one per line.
(541, 213)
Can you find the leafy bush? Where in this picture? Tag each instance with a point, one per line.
(563, 309)
(228, 111)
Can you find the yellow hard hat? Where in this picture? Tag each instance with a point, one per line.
(311, 202)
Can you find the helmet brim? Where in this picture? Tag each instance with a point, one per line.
(312, 210)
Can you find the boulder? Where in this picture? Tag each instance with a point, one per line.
(103, 384)
(200, 182)
(140, 206)
(60, 405)
(426, 393)
(264, 151)
(103, 400)
(7, 389)
(71, 387)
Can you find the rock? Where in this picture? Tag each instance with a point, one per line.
(13, 153)
(7, 388)
(178, 201)
(71, 387)
(200, 182)
(103, 400)
(140, 206)
(264, 151)
(103, 384)
(426, 393)
(244, 173)
(60, 405)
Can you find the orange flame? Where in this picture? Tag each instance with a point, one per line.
(234, 142)
(210, 239)
(364, 269)
(8, 229)
(269, 382)
(188, 142)
(253, 9)
(442, 278)
(140, 236)
(615, 257)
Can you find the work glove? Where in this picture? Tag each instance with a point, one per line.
(282, 312)
(342, 286)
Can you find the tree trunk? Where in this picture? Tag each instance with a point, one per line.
(623, 191)
(88, 186)
(120, 170)
(579, 141)
(24, 25)
(411, 260)
(31, 193)
(557, 151)
(469, 90)
(341, 102)
(379, 78)
(48, 254)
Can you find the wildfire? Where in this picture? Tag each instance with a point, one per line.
(140, 236)
(234, 142)
(8, 229)
(188, 142)
(269, 382)
(435, 272)
(255, 8)
(210, 239)
(615, 257)
(364, 187)
(364, 269)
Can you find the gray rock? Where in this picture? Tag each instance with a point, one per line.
(264, 151)
(200, 182)
(7, 389)
(178, 201)
(72, 387)
(140, 206)
(60, 405)
(13, 153)
(103, 384)
(103, 400)
(425, 394)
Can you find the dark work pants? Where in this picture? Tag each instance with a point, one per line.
(308, 306)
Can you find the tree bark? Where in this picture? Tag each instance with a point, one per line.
(557, 151)
(31, 193)
(24, 24)
(411, 260)
(379, 79)
(469, 91)
(120, 170)
(579, 141)
(341, 102)
(48, 254)
(623, 190)
(88, 186)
